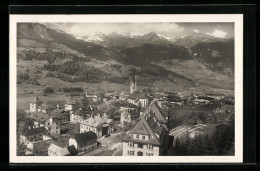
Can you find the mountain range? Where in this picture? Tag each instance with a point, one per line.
(148, 50)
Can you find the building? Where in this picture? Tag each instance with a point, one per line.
(98, 124)
(35, 104)
(51, 123)
(147, 138)
(133, 83)
(37, 140)
(91, 97)
(125, 119)
(55, 150)
(84, 142)
(70, 105)
(75, 116)
(63, 115)
(154, 109)
(33, 134)
(139, 98)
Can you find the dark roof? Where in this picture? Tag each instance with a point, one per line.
(37, 101)
(138, 95)
(85, 137)
(72, 149)
(158, 112)
(34, 131)
(40, 117)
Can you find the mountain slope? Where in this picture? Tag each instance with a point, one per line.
(43, 34)
(192, 39)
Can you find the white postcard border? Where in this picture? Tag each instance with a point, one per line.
(236, 18)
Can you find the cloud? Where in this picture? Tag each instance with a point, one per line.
(82, 29)
(196, 31)
(218, 33)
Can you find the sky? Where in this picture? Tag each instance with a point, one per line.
(222, 30)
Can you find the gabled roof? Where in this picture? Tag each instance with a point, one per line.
(143, 128)
(158, 112)
(72, 149)
(85, 137)
(37, 101)
(35, 131)
(62, 151)
(95, 121)
(40, 117)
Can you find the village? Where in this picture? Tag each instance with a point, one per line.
(137, 123)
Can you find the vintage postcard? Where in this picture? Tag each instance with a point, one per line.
(111, 88)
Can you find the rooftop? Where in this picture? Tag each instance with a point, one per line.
(138, 95)
(35, 131)
(85, 137)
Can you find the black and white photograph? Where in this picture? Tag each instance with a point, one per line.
(96, 88)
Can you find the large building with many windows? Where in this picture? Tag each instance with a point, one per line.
(148, 137)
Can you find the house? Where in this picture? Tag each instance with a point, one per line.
(98, 124)
(35, 104)
(51, 123)
(37, 140)
(84, 142)
(70, 105)
(63, 115)
(47, 107)
(75, 116)
(125, 118)
(55, 150)
(92, 97)
(161, 115)
(147, 138)
(139, 98)
(33, 134)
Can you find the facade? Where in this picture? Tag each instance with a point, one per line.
(125, 118)
(147, 138)
(84, 142)
(35, 104)
(63, 115)
(33, 134)
(139, 99)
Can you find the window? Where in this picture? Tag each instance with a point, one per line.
(150, 147)
(149, 154)
(140, 145)
(130, 144)
(143, 137)
(131, 153)
(137, 136)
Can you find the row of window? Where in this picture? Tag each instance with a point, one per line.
(132, 153)
(138, 136)
(149, 146)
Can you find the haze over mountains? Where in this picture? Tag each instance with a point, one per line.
(148, 53)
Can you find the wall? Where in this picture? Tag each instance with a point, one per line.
(154, 151)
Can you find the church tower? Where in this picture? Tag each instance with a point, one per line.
(133, 83)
